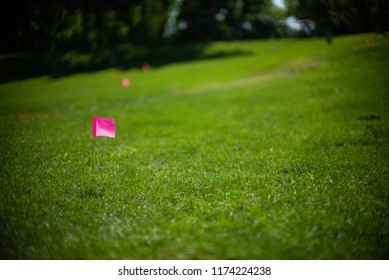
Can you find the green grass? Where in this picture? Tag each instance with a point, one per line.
(253, 150)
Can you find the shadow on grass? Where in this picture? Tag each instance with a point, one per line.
(55, 64)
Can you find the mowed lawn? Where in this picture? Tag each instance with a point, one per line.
(273, 149)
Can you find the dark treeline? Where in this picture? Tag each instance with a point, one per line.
(46, 25)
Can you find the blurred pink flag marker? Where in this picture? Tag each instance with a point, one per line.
(145, 67)
(125, 82)
(103, 127)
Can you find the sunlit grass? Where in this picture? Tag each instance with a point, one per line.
(277, 152)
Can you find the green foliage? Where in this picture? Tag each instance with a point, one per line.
(342, 16)
(277, 152)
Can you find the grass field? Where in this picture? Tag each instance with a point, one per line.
(241, 150)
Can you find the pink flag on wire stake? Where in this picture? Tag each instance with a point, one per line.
(103, 127)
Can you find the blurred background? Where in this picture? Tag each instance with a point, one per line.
(85, 25)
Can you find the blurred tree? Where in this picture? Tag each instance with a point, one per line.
(204, 20)
(269, 22)
(317, 10)
(341, 16)
(80, 24)
(155, 18)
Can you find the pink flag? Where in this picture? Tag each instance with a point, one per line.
(103, 127)
(125, 82)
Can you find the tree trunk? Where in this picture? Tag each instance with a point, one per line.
(143, 23)
(85, 25)
(198, 31)
(214, 10)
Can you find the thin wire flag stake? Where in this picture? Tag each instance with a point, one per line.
(101, 127)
